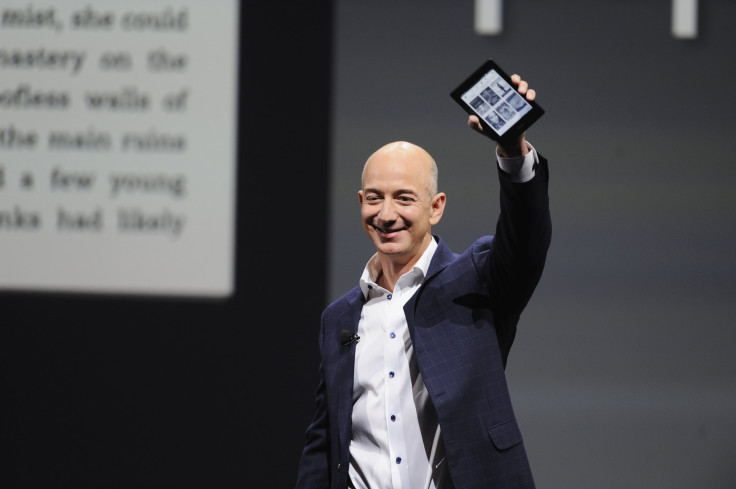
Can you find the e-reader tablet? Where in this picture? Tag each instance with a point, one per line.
(489, 94)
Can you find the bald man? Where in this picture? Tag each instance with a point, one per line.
(413, 393)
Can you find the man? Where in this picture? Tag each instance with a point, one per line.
(412, 392)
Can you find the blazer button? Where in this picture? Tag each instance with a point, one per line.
(338, 467)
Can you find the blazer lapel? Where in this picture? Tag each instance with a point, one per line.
(345, 365)
(442, 257)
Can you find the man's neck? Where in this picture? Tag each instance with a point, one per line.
(393, 267)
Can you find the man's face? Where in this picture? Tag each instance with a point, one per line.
(395, 202)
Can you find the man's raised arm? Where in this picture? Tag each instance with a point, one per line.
(524, 228)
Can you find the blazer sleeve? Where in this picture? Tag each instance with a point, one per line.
(314, 465)
(519, 248)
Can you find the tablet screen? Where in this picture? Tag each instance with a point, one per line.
(496, 101)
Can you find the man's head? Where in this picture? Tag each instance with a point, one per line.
(399, 201)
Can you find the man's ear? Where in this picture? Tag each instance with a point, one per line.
(438, 207)
(360, 196)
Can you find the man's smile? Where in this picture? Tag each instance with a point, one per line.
(387, 233)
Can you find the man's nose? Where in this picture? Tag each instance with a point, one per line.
(387, 212)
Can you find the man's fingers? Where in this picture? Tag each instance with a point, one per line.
(523, 87)
(474, 123)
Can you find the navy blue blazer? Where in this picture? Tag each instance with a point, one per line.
(462, 322)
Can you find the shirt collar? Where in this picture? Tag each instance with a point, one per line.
(373, 268)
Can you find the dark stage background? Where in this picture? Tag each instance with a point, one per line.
(125, 392)
(623, 373)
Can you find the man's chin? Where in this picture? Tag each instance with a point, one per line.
(391, 249)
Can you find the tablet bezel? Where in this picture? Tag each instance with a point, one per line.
(512, 132)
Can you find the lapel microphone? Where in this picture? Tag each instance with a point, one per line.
(347, 338)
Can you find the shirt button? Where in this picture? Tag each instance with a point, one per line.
(389, 296)
(398, 460)
(393, 417)
(391, 375)
(370, 287)
(393, 335)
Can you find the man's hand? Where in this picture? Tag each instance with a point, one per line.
(517, 147)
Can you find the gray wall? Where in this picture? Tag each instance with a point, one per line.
(622, 373)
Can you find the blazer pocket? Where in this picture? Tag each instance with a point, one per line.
(505, 435)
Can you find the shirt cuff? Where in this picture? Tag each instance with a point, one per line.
(521, 168)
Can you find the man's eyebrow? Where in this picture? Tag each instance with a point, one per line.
(396, 192)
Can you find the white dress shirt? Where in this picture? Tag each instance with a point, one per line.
(396, 439)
